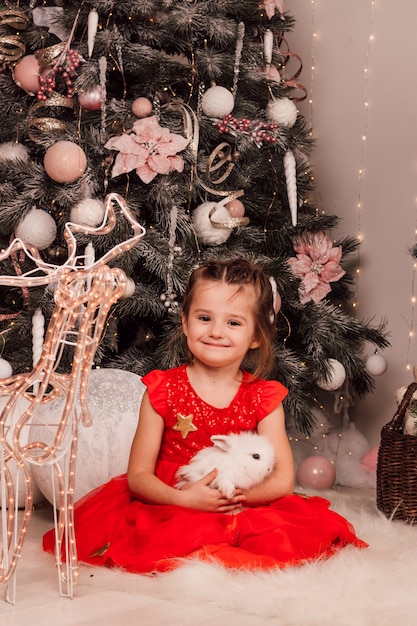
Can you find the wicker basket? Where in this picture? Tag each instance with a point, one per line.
(396, 474)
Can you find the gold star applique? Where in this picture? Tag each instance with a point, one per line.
(185, 424)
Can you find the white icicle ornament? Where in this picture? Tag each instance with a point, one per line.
(92, 30)
(291, 180)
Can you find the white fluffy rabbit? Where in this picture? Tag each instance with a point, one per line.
(242, 460)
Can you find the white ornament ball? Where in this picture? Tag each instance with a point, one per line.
(12, 151)
(130, 288)
(282, 111)
(316, 472)
(65, 161)
(37, 229)
(217, 102)
(203, 217)
(336, 378)
(91, 100)
(142, 107)
(19, 407)
(114, 398)
(88, 212)
(5, 368)
(376, 365)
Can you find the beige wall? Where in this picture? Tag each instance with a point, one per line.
(387, 221)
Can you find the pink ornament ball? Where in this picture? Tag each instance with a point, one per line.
(26, 74)
(272, 73)
(316, 472)
(90, 100)
(65, 161)
(236, 208)
(142, 107)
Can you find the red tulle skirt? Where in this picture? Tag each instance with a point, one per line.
(114, 529)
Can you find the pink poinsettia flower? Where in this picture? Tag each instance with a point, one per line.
(317, 265)
(149, 149)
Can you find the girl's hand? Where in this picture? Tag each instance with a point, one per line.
(200, 496)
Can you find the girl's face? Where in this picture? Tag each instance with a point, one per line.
(220, 326)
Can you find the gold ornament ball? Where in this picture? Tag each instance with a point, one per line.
(142, 107)
(64, 162)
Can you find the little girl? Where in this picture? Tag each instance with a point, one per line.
(140, 521)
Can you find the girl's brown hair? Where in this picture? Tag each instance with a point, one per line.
(243, 273)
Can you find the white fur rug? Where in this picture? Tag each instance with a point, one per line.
(371, 587)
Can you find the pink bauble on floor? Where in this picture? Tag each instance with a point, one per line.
(316, 472)
(26, 74)
(65, 161)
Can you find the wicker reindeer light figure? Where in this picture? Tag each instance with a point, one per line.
(83, 296)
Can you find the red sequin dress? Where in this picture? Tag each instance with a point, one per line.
(115, 529)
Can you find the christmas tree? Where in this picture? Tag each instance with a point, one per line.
(188, 111)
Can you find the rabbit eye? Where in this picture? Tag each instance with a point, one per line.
(256, 456)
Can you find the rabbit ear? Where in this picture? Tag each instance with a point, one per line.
(221, 441)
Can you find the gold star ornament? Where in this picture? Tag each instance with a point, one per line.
(185, 424)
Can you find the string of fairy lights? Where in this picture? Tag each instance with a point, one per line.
(365, 126)
(361, 170)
